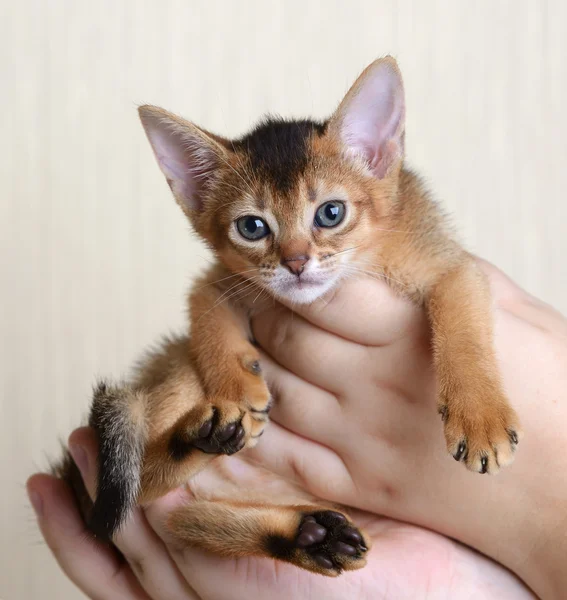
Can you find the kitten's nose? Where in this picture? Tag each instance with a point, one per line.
(295, 264)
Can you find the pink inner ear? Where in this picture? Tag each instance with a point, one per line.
(183, 157)
(174, 164)
(372, 124)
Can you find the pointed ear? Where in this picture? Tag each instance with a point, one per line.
(187, 155)
(370, 120)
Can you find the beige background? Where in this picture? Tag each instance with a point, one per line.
(94, 255)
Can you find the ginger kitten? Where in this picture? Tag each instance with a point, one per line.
(289, 210)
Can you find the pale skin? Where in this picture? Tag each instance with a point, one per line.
(355, 422)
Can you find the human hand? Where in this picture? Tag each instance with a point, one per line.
(373, 440)
(354, 379)
(406, 562)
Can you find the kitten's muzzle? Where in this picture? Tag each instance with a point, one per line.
(295, 264)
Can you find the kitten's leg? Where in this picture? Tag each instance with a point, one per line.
(154, 434)
(185, 429)
(481, 428)
(312, 537)
(227, 361)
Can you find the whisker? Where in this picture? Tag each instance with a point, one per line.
(229, 277)
(234, 187)
(392, 230)
(346, 250)
(375, 274)
(238, 174)
(222, 300)
(233, 287)
(249, 174)
(244, 292)
(262, 291)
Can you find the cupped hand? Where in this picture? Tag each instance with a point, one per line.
(355, 422)
(406, 562)
(353, 378)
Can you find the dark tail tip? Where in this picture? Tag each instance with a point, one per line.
(121, 444)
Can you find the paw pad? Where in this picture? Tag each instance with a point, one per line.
(330, 539)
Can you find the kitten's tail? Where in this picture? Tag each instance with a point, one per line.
(118, 417)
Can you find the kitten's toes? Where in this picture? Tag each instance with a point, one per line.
(483, 437)
(325, 542)
(221, 434)
(214, 431)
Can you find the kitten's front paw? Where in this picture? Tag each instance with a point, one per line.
(212, 429)
(243, 392)
(482, 432)
(228, 423)
(217, 436)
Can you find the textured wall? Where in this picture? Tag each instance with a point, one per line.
(94, 255)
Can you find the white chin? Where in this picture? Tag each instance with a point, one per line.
(303, 293)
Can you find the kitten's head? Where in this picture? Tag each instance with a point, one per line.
(293, 205)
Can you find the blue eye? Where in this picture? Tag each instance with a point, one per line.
(252, 228)
(330, 214)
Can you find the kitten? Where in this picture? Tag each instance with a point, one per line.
(289, 210)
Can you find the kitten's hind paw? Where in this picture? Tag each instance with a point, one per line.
(325, 542)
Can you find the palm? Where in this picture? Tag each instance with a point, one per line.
(356, 424)
(405, 562)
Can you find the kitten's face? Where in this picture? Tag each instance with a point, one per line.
(293, 206)
(291, 214)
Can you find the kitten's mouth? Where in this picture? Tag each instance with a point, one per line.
(304, 282)
(307, 283)
(304, 289)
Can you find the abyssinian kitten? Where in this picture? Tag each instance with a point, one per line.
(289, 210)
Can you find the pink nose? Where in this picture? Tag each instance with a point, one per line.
(295, 264)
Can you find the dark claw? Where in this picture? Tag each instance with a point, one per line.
(343, 548)
(350, 534)
(363, 548)
(461, 450)
(484, 464)
(513, 437)
(443, 411)
(323, 561)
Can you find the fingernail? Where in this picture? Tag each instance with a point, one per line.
(36, 501)
(80, 457)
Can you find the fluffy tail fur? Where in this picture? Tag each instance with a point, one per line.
(117, 416)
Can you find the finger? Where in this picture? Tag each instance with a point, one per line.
(92, 567)
(313, 354)
(141, 546)
(211, 576)
(381, 316)
(313, 466)
(299, 405)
